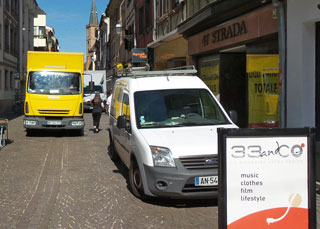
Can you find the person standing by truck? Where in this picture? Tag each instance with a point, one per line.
(98, 106)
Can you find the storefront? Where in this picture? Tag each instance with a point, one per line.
(170, 53)
(239, 61)
(303, 68)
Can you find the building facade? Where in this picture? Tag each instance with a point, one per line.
(16, 38)
(44, 35)
(170, 48)
(91, 31)
(115, 44)
(243, 35)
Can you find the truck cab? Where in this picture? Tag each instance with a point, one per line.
(54, 91)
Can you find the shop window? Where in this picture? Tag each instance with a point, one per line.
(175, 3)
(7, 5)
(6, 80)
(263, 90)
(209, 72)
(6, 38)
(176, 62)
(11, 80)
(11, 43)
(141, 18)
(0, 36)
(162, 7)
(148, 11)
(263, 83)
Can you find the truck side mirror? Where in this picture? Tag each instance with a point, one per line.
(91, 85)
(233, 115)
(122, 122)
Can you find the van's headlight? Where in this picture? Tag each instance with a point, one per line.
(162, 157)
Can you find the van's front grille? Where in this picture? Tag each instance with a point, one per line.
(200, 162)
(53, 112)
(192, 188)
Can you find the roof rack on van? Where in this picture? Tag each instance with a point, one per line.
(138, 72)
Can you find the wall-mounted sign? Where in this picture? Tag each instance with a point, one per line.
(139, 55)
(258, 23)
(224, 33)
(267, 178)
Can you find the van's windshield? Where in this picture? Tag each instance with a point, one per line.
(177, 107)
(61, 83)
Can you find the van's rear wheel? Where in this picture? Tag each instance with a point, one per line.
(135, 179)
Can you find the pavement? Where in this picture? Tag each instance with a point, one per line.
(72, 190)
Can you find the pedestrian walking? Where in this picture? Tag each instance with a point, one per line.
(98, 106)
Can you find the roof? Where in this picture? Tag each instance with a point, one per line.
(164, 83)
(40, 11)
(93, 15)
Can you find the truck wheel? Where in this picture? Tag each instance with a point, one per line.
(135, 180)
(112, 152)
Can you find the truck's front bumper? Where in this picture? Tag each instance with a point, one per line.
(58, 123)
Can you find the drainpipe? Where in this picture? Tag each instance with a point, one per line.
(154, 20)
(134, 25)
(282, 62)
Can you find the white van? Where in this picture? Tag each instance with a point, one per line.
(163, 126)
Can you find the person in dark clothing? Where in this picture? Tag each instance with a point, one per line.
(98, 106)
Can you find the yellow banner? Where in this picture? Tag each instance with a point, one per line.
(263, 90)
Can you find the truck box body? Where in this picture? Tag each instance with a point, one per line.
(54, 91)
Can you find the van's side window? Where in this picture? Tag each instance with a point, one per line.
(116, 102)
(125, 106)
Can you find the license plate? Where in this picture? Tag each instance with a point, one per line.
(54, 122)
(206, 181)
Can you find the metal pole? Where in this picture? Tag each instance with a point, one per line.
(134, 24)
(282, 63)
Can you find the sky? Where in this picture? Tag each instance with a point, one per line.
(69, 19)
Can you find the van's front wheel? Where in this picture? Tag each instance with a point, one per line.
(135, 180)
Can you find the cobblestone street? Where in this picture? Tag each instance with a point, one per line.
(60, 180)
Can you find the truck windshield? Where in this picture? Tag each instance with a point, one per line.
(175, 108)
(62, 83)
(97, 88)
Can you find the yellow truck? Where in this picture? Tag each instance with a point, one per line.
(54, 91)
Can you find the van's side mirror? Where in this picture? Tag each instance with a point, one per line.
(233, 115)
(122, 122)
(91, 85)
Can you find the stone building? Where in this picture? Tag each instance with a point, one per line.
(92, 29)
(16, 38)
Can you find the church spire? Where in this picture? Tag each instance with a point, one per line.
(93, 14)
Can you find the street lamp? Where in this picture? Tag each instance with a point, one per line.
(119, 28)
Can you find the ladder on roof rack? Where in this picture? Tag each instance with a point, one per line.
(137, 72)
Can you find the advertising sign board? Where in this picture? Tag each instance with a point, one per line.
(263, 90)
(139, 55)
(267, 178)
